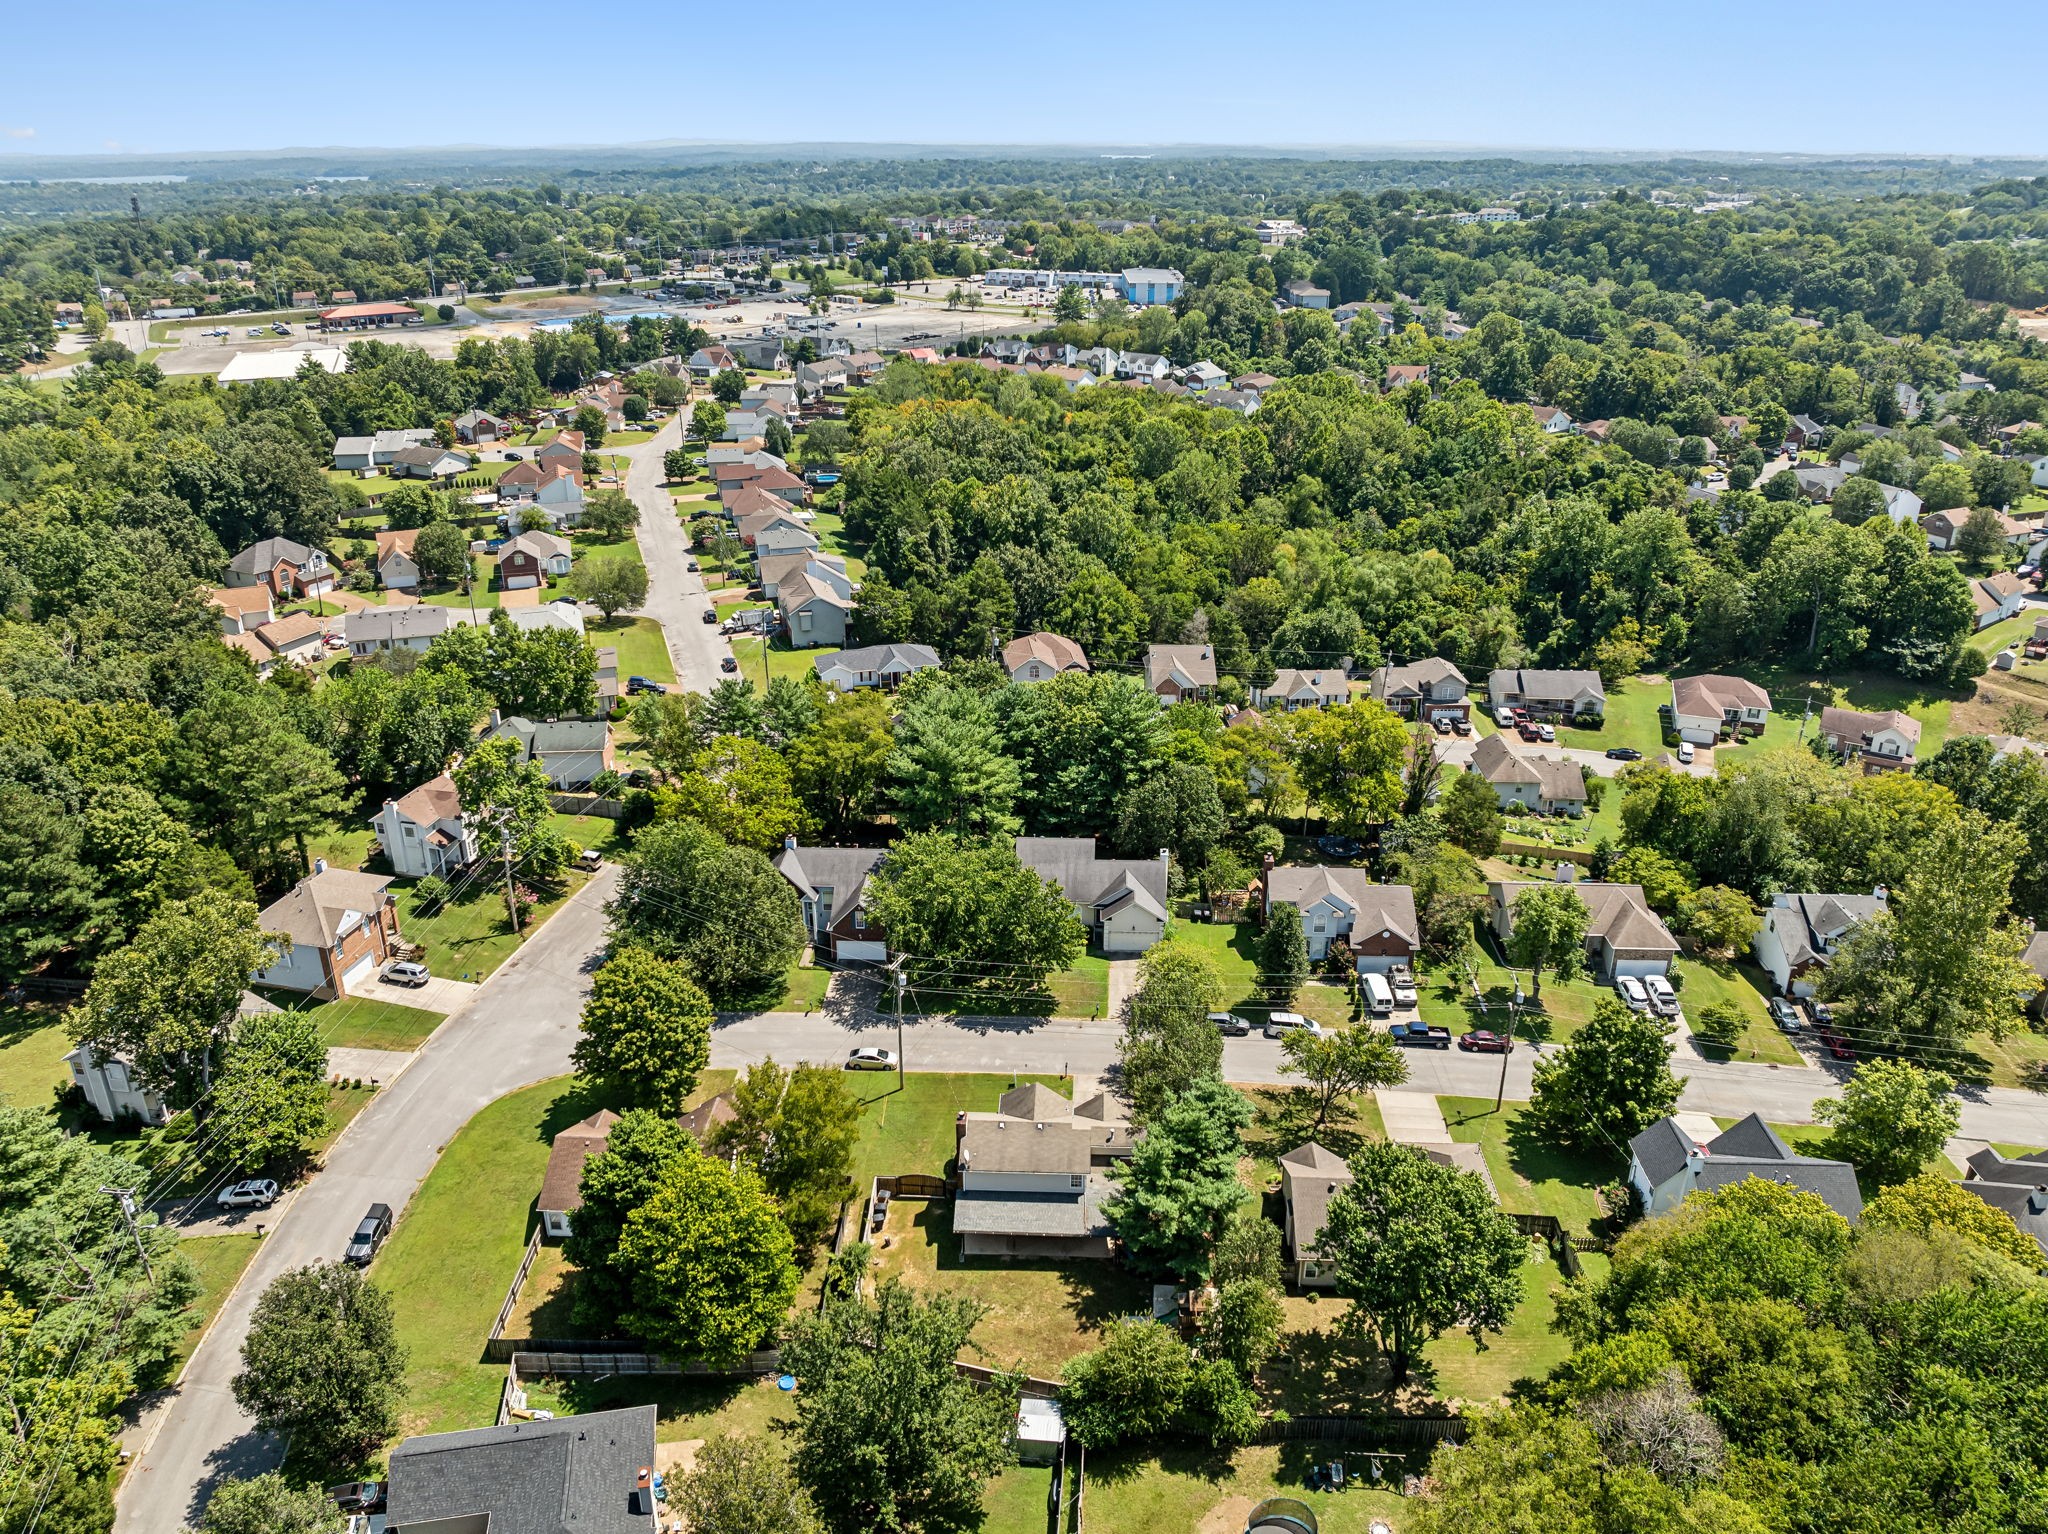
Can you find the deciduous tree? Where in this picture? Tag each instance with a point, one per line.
(271, 1098)
(1177, 1192)
(1610, 1081)
(724, 911)
(1929, 1201)
(1169, 1043)
(972, 916)
(798, 1128)
(322, 1364)
(744, 1486)
(616, 1181)
(1350, 760)
(646, 1031)
(1471, 814)
(1339, 1063)
(270, 1504)
(1549, 932)
(711, 1263)
(612, 585)
(1891, 1120)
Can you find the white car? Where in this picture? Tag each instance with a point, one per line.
(1631, 991)
(256, 1193)
(405, 972)
(1663, 1000)
(1279, 1024)
(870, 1057)
(1685, 752)
(1546, 732)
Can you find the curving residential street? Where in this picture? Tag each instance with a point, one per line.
(675, 595)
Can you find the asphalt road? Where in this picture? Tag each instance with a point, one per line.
(517, 1031)
(675, 597)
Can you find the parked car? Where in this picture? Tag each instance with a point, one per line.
(1341, 848)
(1820, 1013)
(871, 1057)
(1504, 717)
(1231, 1024)
(370, 1234)
(1623, 754)
(255, 330)
(1461, 727)
(515, 458)
(710, 615)
(218, 331)
(1441, 725)
(691, 566)
(728, 664)
(1784, 1014)
(359, 1496)
(1428, 1035)
(256, 1193)
(1546, 732)
(590, 860)
(1835, 1044)
(1486, 1041)
(640, 684)
(1527, 731)
(1663, 1000)
(1632, 993)
(1279, 1023)
(405, 972)
(1685, 752)
(1402, 979)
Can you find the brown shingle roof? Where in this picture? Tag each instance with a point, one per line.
(1054, 650)
(561, 1189)
(312, 911)
(435, 799)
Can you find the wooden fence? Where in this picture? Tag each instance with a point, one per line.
(586, 804)
(512, 1292)
(1510, 849)
(1564, 1246)
(1404, 1432)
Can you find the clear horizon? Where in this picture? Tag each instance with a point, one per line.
(1878, 80)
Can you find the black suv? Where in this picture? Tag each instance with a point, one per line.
(370, 1234)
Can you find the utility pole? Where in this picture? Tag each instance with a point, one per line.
(1514, 1006)
(125, 1197)
(902, 980)
(511, 896)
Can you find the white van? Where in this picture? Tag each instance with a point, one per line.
(1379, 996)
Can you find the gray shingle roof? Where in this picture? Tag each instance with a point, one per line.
(1313, 1176)
(1088, 880)
(1661, 1151)
(389, 625)
(574, 1475)
(1803, 921)
(261, 558)
(1748, 1148)
(984, 1213)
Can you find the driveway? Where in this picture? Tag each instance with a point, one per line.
(1457, 751)
(519, 1030)
(437, 995)
(675, 596)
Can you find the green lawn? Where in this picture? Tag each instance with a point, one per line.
(483, 590)
(472, 937)
(588, 831)
(1234, 946)
(2005, 632)
(1465, 1373)
(1188, 1489)
(1632, 707)
(1565, 1005)
(1082, 991)
(1530, 1175)
(363, 1022)
(33, 1043)
(219, 1261)
(1700, 984)
(781, 659)
(643, 651)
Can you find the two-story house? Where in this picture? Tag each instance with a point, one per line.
(425, 832)
(815, 606)
(1034, 1174)
(1040, 657)
(1344, 905)
(1668, 1160)
(1428, 689)
(397, 570)
(570, 751)
(832, 884)
(1704, 708)
(1550, 785)
(339, 926)
(1561, 694)
(1311, 1176)
(1883, 741)
(830, 569)
(1623, 935)
(288, 568)
(532, 559)
(1801, 932)
(242, 609)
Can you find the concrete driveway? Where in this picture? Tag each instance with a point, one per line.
(437, 995)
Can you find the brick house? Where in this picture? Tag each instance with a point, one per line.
(339, 925)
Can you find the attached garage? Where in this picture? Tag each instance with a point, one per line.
(359, 972)
(851, 952)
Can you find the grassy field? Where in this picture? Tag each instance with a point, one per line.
(1530, 1175)
(643, 651)
(219, 1261)
(1234, 946)
(782, 660)
(1082, 991)
(1632, 706)
(1566, 1005)
(362, 1022)
(1700, 984)
(33, 1043)
(1187, 1489)
(470, 938)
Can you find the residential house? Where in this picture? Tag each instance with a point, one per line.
(1040, 657)
(1144, 285)
(876, 665)
(242, 609)
(778, 392)
(1311, 1176)
(1908, 399)
(1203, 376)
(1180, 671)
(111, 1089)
(474, 426)
(832, 883)
(397, 570)
(1431, 688)
(580, 1473)
(1243, 401)
(531, 560)
(815, 608)
(772, 569)
(561, 1186)
(1034, 1174)
(1550, 785)
(570, 751)
(300, 638)
(564, 448)
(431, 461)
(260, 654)
(2003, 746)
(289, 569)
(1800, 933)
(1704, 708)
(1901, 504)
(1997, 597)
(1303, 294)
(1623, 935)
(709, 361)
(1805, 432)
(413, 627)
(1402, 374)
(1943, 527)
(775, 532)
(1559, 694)
(2018, 1185)
(379, 448)
(1100, 360)
(770, 478)
(820, 377)
(1254, 383)
(339, 927)
(607, 679)
(763, 352)
(1294, 688)
(1972, 383)
(1145, 367)
(1121, 901)
(1553, 420)
(1345, 905)
(1884, 740)
(1669, 1160)
(426, 832)
(556, 502)
(749, 498)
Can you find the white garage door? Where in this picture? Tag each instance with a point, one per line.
(358, 972)
(863, 953)
(1640, 967)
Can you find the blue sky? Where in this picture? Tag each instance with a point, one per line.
(1640, 74)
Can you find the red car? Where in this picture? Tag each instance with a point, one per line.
(1486, 1042)
(1835, 1044)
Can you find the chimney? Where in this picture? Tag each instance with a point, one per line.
(1881, 895)
(497, 718)
(319, 865)
(789, 841)
(1265, 886)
